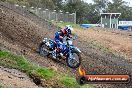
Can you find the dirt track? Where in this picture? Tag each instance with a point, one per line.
(11, 78)
(22, 36)
(116, 40)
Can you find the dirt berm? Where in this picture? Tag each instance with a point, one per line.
(21, 33)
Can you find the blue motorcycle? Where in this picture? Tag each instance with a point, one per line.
(72, 54)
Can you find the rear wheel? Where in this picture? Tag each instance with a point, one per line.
(73, 60)
(44, 50)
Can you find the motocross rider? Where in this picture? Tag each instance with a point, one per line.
(59, 35)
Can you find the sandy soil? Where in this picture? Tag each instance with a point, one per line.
(116, 40)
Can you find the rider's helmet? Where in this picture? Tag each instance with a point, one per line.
(68, 29)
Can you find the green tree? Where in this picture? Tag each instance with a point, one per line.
(81, 8)
(58, 4)
(120, 6)
(115, 6)
(101, 5)
(47, 4)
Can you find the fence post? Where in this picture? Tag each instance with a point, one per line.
(44, 14)
(56, 16)
(39, 12)
(67, 16)
(61, 18)
(36, 11)
(75, 17)
(31, 9)
(49, 15)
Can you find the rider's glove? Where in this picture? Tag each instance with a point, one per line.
(68, 38)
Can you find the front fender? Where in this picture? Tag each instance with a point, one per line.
(75, 49)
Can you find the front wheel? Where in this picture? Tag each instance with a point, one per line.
(73, 60)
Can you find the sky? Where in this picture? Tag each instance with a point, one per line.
(129, 2)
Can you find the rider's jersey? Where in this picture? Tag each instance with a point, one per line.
(60, 35)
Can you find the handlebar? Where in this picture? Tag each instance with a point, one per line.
(73, 38)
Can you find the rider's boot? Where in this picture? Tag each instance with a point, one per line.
(61, 54)
(63, 51)
(54, 54)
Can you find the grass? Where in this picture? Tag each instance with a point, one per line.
(43, 72)
(71, 82)
(53, 78)
(13, 61)
(1, 86)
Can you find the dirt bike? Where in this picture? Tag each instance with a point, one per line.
(72, 54)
